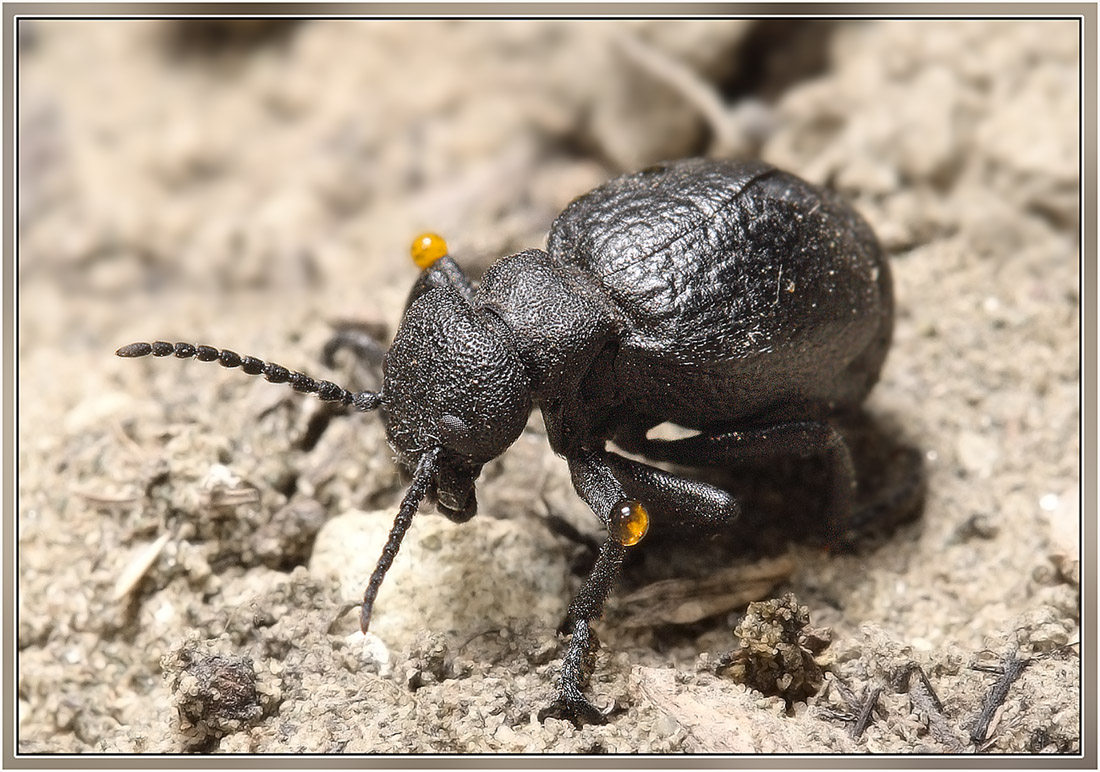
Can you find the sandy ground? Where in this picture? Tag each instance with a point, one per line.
(188, 536)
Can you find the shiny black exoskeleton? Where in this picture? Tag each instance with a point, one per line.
(729, 298)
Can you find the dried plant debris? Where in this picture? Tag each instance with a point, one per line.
(137, 567)
(938, 703)
(777, 650)
(430, 661)
(926, 703)
(685, 601)
(993, 703)
(215, 694)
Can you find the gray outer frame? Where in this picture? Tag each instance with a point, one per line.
(1086, 14)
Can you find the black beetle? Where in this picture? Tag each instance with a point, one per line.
(729, 298)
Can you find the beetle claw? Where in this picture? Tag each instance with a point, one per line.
(577, 710)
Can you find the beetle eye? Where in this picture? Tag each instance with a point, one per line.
(427, 249)
(454, 428)
(630, 521)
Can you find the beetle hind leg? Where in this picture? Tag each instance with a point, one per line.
(888, 503)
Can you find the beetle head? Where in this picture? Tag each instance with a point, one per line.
(455, 395)
(453, 382)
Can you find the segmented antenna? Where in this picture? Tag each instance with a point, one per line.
(418, 489)
(326, 390)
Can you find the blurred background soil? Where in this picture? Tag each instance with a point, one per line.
(189, 536)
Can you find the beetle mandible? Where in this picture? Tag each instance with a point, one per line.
(730, 298)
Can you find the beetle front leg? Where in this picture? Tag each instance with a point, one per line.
(595, 482)
(364, 345)
(675, 500)
(605, 481)
(580, 656)
(798, 437)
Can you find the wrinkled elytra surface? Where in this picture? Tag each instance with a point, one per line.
(730, 298)
(745, 292)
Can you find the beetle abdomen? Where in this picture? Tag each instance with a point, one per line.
(742, 285)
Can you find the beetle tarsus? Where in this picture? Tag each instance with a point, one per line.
(576, 670)
(575, 708)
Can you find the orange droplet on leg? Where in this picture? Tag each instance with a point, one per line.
(427, 249)
(629, 522)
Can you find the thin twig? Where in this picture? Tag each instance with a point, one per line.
(863, 720)
(1011, 670)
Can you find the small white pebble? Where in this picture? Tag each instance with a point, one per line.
(220, 476)
(372, 651)
(666, 725)
(164, 613)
